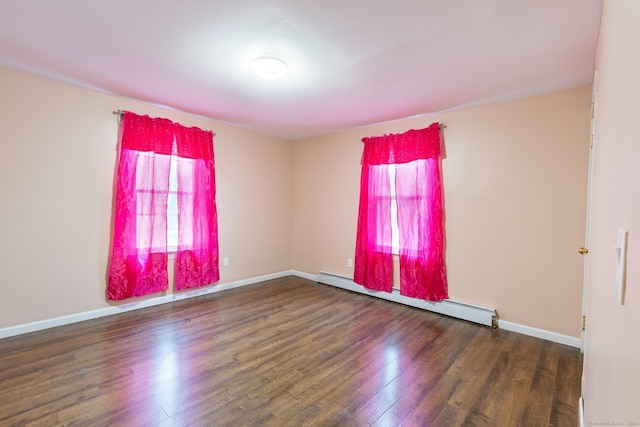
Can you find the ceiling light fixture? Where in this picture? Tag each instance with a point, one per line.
(269, 67)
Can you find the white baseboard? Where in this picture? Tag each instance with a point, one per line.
(305, 275)
(509, 326)
(109, 311)
(539, 333)
(460, 310)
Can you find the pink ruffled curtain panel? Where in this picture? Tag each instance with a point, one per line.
(417, 191)
(139, 254)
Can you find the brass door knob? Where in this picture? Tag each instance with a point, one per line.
(583, 251)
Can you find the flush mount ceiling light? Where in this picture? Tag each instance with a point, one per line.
(269, 67)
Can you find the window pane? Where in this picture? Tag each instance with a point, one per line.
(395, 234)
(172, 220)
(151, 201)
(172, 207)
(184, 178)
(383, 211)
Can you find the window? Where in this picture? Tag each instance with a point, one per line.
(146, 209)
(401, 213)
(408, 197)
(164, 201)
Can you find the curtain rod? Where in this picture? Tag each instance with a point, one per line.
(119, 114)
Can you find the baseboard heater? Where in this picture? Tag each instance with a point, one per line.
(460, 310)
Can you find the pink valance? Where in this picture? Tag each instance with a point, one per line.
(402, 147)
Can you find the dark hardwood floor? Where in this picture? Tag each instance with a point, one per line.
(288, 352)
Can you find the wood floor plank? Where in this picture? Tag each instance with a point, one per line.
(286, 352)
(462, 383)
(508, 383)
(540, 400)
(415, 379)
(567, 388)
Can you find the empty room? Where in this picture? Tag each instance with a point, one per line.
(298, 213)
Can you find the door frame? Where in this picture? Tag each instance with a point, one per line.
(587, 237)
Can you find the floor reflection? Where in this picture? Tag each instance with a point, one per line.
(390, 372)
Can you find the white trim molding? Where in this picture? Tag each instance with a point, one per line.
(307, 276)
(112, 310)
(472, 313)
(539, 333)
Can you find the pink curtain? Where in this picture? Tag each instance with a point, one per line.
(418, 189)
(139, 259)
(374, 260)
(196, 265)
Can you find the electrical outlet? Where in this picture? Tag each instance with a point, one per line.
(225, 262)
(349, 262)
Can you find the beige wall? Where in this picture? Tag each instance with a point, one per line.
(515, 195)
(515, 178)
(612, 368)
(57, 158)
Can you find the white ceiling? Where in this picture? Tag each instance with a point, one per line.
(352, 63)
